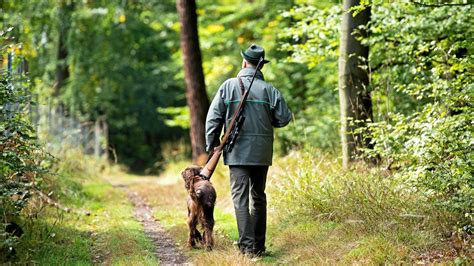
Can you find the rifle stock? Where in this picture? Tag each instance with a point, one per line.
(211, 164)
(215, 155)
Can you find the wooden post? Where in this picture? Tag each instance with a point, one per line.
(97, 138)
(105, 136)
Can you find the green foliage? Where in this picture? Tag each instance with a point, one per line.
(421, 88)
(314, 34)
(179, 116)
(421, 61)
(121, 63)
(21, 157)
(312, 40)
(123, 69)
(226, 30)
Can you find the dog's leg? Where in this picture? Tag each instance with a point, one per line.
(208, 227)
(192, 222)
(198, 236)
(208, 237)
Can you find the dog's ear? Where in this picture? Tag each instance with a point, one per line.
(196, 170)
(188, 172)
(186, 177)
(191, 172)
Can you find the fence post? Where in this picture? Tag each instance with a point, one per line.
(105, 133)
(9, 63)
(1, 65)
(97, 138)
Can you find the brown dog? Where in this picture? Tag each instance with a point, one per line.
(201, 201)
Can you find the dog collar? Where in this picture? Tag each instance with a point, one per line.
(203, 177)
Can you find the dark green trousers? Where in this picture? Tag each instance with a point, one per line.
(250, 202)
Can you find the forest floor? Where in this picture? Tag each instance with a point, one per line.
(160, 206)
(160, 202)
(141, 220)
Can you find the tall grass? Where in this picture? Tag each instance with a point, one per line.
(363, 215)
(315, 185)
(318, 214)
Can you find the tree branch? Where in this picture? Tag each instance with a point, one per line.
(440, 5)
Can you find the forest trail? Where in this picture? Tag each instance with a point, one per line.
(160, 204)
(166, 249)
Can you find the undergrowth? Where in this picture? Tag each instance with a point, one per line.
(379, 216)
(318, 214)
(85, 220)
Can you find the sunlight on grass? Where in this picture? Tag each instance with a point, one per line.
(316, 215)
(118, 236)
(297, 232)
(109, 235)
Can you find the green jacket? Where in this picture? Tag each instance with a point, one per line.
(265, 109)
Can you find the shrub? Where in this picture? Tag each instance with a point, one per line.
(421, 84)
(22, 158)
(422, 75)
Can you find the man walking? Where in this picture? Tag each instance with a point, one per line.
(252, 154)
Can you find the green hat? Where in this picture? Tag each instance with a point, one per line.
(253, 54)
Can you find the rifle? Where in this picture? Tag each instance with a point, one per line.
(231, 134)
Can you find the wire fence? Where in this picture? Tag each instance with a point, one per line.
(55, 125)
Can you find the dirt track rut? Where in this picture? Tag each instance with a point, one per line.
(165, 248)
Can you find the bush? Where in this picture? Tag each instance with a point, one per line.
(422, 62)
(421, 85)
(22, 158)
(311, 92)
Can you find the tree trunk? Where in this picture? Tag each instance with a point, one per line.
(62, 68)
(355, 101)
(195, 87)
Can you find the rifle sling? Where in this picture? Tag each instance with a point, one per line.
(209, 167)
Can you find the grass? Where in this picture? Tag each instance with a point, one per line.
(362, 216)
(323, 242)
(168, 197)
(318, 214)
(109, 235)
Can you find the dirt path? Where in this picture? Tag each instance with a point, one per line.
(165, 247)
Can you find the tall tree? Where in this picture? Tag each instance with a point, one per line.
(355, 100)
(195, 87)
(62, 69)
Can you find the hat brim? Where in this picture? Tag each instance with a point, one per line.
(252, 60)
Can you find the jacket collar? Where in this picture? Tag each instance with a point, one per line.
(248, 71)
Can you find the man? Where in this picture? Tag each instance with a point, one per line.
(252, 154)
